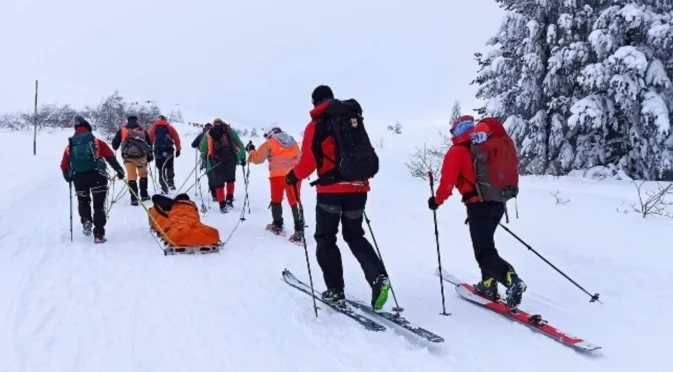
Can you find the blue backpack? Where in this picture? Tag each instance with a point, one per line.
(162, 140)
(84, 156)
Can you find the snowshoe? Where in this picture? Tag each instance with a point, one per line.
(488, 289)
(297, 237)
(515, 289)
(275, 229)
(380, 288)
(99, 239)
(87, 226)
(333, 296)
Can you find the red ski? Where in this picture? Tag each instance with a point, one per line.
(533, 321)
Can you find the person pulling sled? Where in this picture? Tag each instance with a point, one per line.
(282, 152)
(483, 165)
(137, 153)
(196, 144)
(83, 164)
(336, 144)
(224, 151)
(165, 141)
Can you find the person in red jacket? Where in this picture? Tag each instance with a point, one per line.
(83, 164)
(338, 202)
(483, 217)
(165, 141)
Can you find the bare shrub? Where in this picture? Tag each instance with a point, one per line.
(559, 200)
(654, 203)
(423, 161)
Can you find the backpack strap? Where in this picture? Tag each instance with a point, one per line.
(324, 128)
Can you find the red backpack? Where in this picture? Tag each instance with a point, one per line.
(496, 162)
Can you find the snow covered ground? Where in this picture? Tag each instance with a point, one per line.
(124, 306)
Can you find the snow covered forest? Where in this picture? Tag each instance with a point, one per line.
(584, 85)
(106, 117)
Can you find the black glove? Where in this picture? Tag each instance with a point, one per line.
(177, 154)
(120, 174)
(291, 179)
(243, 163)
(66, 176)
(432, 203)
(249, 147)
(150, 157)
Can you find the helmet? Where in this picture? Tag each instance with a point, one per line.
(271, 131)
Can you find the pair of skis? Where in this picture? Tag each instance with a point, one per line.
(532, 321)
(355, 309)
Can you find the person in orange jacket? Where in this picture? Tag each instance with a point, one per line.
(165, 141)
(483, 215)
(283, 153)
(137, 153)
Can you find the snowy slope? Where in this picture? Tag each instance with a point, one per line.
(123, 306)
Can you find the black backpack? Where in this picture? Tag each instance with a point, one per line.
(225, 149)
(162, 140)
(355, 158)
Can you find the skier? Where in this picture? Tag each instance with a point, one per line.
(166, 144)
(485, 204)
(224, 151)
(282, 151)
(137, 153)
(196, 144)
(337, 199)
(83, 164)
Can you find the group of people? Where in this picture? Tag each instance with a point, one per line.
(84, 166)
(337, 147)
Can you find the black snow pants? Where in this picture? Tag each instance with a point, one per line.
(165, 170)
(90, 185)
(349, 210)
(483, 219)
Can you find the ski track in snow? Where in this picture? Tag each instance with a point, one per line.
(124, 306)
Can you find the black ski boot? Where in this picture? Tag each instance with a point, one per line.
(334, 297)
(515, 289)
(87, 226)
(170, 178)
(223, 207)
(488, 288)
(230, 201)
(133, 185)
(298, 236)
(144, 196)
(98, 239)
(380, 288)
(276, 226)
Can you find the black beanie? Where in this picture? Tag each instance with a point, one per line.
(132, 119)
(81, 122)
(321, 93)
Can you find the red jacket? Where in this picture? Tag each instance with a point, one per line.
(458, 170)
(171, 132)
(307, 163)
(104, 151)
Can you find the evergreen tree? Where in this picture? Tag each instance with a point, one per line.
(456, 111)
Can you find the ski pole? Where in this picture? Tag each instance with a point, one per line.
(397, 307)
(71, 238)
(308, 264)
(439, 255)
(594, 297)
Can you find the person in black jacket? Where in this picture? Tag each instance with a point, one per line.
(196, 144)
(137, 153)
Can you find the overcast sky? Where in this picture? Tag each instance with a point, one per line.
(251, 61)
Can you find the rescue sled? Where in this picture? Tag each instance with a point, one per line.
(177, 223)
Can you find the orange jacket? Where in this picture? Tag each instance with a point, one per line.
(281, 150)
(171, 132)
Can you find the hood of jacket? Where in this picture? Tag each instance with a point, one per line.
(284, 139)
